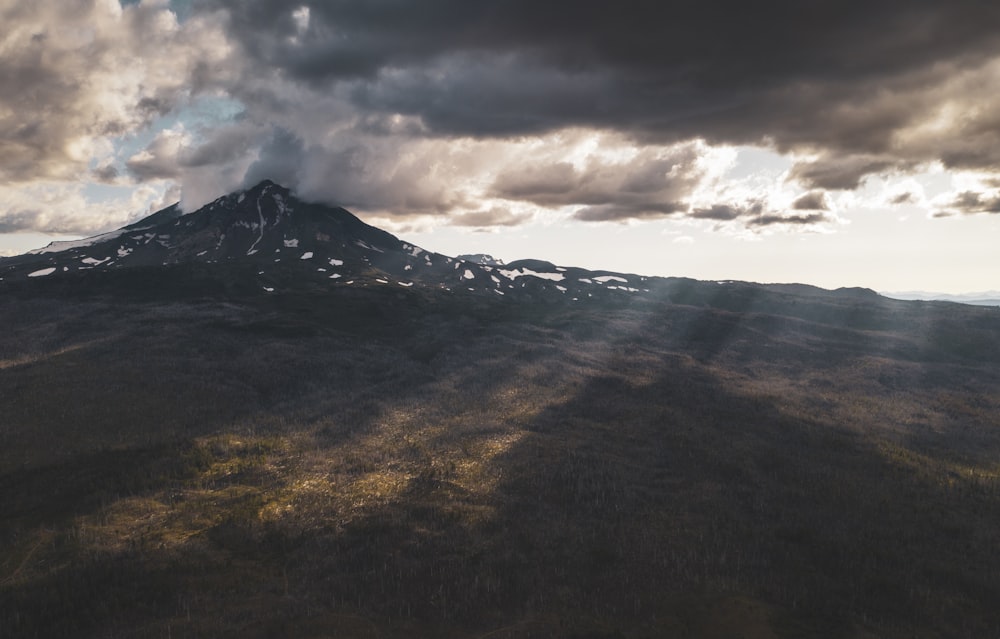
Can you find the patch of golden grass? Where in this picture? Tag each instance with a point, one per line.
(239, 479)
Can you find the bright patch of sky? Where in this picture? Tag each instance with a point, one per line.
(756, 163)
(18, 243)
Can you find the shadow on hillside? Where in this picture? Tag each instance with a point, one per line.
(580, 478)
(615, 505)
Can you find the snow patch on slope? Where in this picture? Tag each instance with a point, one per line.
(521, 272)
(415, 251)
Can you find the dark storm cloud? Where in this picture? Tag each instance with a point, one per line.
(970, 202)
(497, 216)
(372, 94)
(646, 186)
(805, 219)
(621, 212)
(823, 74)
(812, 201)
(503, 95)
(755, 214)
(718, 212)
(550, 184)
(16, 221)
(840, 172)
(708, 44)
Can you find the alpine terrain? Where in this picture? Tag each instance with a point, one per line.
(290, 243)
(266, 418)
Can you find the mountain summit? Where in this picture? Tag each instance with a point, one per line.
(282, 241)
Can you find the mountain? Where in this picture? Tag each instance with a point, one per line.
(265, 240)
(265, 418)
(280, 242)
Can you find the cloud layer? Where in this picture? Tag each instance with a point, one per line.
(491, 112)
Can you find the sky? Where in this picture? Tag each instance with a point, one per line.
(829, 142)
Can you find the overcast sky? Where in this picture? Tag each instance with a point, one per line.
(832, 142)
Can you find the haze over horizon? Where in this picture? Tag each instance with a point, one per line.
(813, 142)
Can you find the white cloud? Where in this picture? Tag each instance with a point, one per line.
(60, 208)
(84, 74)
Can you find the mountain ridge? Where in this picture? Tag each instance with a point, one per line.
(268, 226)
(284, 243)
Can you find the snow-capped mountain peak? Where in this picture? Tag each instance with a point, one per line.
(282, 241)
